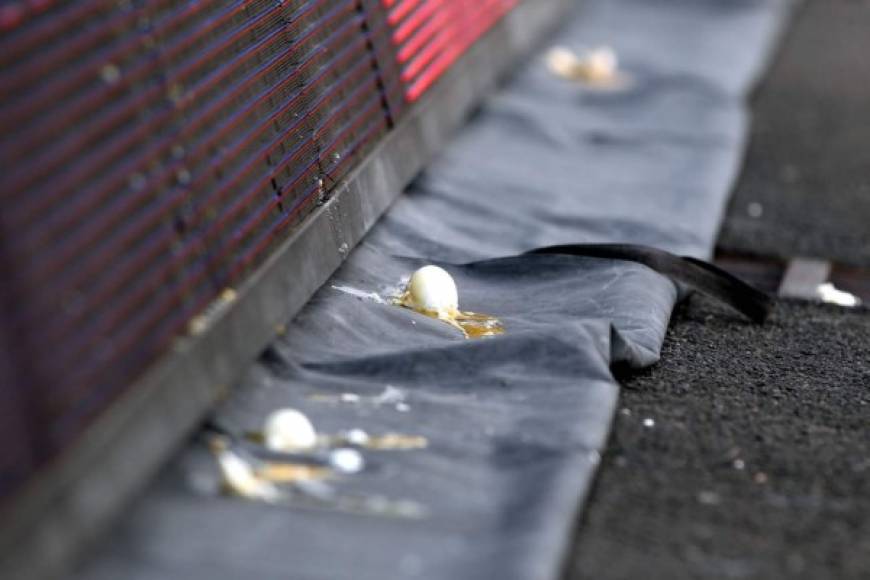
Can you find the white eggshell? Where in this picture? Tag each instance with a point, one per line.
(602, 63)
(562, 61)
(289, 430)
(357, 437)
(240, 477)
(347, 460)
(432, 289)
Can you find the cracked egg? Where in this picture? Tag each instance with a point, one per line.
(432, 291)
(289, 430)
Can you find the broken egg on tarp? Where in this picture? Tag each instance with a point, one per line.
(432, 291)
(595, 67)
(288, 430)
(248, 476)
(302, 477)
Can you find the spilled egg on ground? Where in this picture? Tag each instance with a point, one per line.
(433, 292)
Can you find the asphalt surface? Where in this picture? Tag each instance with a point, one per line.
(805, 188)
(743, 454)
(746, 452)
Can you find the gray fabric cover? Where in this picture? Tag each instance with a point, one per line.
(516, 422)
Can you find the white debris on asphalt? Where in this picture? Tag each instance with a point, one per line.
(829, 293)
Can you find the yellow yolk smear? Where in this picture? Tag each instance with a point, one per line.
(292, 472)
(385, 442)
(396, 442)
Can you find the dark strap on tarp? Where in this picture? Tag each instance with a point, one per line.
(697, 274)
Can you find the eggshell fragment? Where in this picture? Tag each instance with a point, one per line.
(289, 430)
(239, 476)
(346, 460)
(601, 64)
(562, 61)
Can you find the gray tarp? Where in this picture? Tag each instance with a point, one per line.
(516, 422)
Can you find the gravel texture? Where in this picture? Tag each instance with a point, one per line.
(805, 189)
(743, 454)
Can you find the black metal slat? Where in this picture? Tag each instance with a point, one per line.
(168, 307)
(114, 253)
